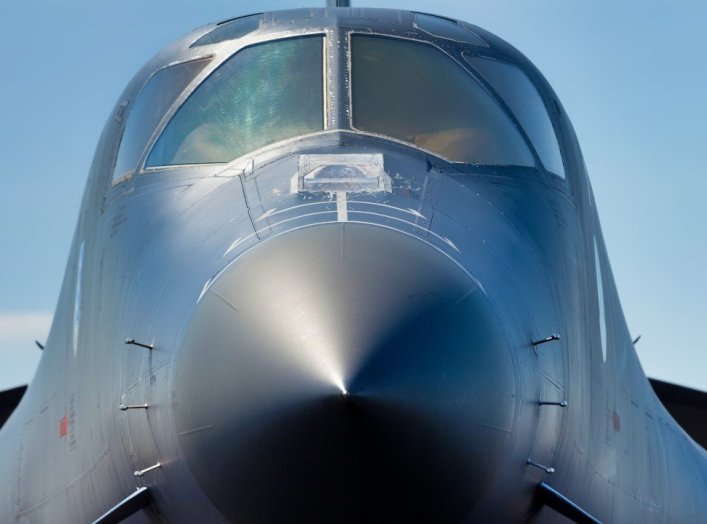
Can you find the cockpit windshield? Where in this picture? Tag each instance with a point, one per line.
(148, 109)
(524, 101)
(404, 89)
(263, 94)
(414, 92)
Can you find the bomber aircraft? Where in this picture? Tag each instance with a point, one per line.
(343, 265)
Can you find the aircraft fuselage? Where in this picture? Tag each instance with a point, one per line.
(366, 314)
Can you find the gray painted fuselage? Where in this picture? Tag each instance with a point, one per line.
(325, 355)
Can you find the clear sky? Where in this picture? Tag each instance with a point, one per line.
(630, 74)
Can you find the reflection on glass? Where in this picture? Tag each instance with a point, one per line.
(414, 92)
(148, 109)
(230, 30)
(446, 28)
(523, 99)
(263, 94)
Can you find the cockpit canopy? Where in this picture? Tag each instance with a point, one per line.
(469, 109)
(264, 94)
(413, 92)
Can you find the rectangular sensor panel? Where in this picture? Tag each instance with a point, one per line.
(333, 173)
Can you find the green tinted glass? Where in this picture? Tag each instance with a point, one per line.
(148, 110)
(263, 94)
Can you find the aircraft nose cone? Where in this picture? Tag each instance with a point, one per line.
(344, 373)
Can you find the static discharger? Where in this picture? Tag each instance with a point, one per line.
(141, 472)
(133, 342)
(546, 469)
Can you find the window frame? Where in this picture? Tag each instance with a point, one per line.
(340, 61)
(541, 94)
(324, 35)
(468, 69)
(126, 111)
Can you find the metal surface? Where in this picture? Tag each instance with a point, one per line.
(687, 406)
(9, 399)
(305, 317)
(342, 326)
(130, 505)
(564, 506)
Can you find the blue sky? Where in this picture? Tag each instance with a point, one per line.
(630, 74)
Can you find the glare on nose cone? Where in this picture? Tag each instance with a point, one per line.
(344, 373)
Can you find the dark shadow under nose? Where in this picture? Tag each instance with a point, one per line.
(344, 373)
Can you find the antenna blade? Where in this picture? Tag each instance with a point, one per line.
(338, 3)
